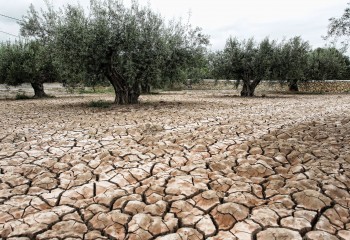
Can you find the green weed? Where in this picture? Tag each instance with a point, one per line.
(99, 104)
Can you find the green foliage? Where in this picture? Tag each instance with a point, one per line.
(14, 63)
(246, 61)
(291, 63)
(131, 47)
(22, 96)
(339, 28)
(296, 61)
(95, 90)
(99, 104)
(217, 65)
(292, 59)
(328, 63)
(26, 62)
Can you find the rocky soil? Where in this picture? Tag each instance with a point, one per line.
(188, 165)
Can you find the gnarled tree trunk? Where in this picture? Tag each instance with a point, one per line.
(128, 95)
(39, 90)
(249, 88)
(293, 86)
(145, 88)
(124, 93)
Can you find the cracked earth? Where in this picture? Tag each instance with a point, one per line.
(189, 165)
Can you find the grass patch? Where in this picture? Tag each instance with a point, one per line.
(100, 104)
(22, 96)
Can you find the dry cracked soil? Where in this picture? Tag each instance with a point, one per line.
(188, 165)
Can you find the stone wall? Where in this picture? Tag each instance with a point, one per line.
(268, 86)
(326, 86)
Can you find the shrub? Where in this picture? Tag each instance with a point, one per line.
(99, 104)
(22, 96)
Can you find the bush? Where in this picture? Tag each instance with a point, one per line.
(99, 104)
(22, 96)
(98, 90)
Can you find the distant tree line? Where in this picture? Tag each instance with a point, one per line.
(289, 61)
(133, 48)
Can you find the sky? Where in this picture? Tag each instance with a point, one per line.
(277, 19)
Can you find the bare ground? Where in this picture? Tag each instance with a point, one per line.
(188, 165)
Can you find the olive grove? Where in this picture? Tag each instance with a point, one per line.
(131, 47)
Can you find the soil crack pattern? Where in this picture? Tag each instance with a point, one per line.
(189, 165)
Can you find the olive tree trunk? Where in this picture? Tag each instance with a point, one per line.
(39, 90)
(124, 93)
(145, 88)
(293, 86)
(248, 88)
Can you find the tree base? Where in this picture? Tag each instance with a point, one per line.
(126, 98)
(248, 90)
(247, 94)
(39, 90)
(293, 87)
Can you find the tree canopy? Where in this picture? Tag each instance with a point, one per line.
(26, 62)
(246, 61)
(291, 62)
(340, 27)
(328, 63)
(132, 47)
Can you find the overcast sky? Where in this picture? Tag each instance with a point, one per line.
(223, 18)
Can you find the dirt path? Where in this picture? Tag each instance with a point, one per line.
(188, 165)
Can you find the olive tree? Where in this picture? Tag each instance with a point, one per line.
(327, 63)
(291, 65)
(340, 27)
(132, 47)
(26, 62)
(246, 61)
(218, 65)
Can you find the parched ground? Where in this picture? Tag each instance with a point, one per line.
(187, 165)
